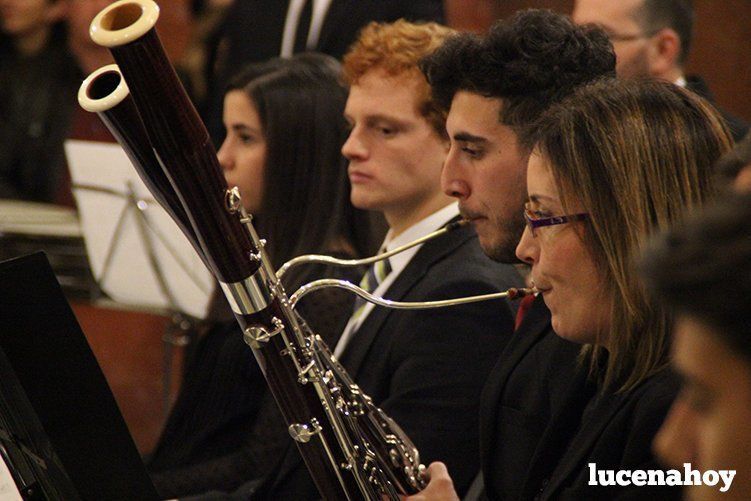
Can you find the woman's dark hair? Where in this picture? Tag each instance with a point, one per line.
(702, 269)
(305, 206)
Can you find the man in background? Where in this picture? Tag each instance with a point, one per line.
(651, 38)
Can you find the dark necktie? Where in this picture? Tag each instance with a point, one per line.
(303, 27)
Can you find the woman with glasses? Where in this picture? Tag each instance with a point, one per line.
(610, 165)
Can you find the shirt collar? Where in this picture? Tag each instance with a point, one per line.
(417, 230)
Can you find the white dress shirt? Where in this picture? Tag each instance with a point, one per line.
(292, 21)
(398, 262)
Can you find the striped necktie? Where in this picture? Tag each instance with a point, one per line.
(370, 282)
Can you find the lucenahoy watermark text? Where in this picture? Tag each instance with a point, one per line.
(688, 476)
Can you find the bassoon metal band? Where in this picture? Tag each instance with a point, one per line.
(250, 295)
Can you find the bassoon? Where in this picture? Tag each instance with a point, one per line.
(352, 449)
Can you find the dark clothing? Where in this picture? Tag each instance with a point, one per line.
(225, 427)
(738, 128)
(343, 21)
(425, 368)
(524, 390)
(543, 420)
(37, 96)
(253, 29)
(615, 433)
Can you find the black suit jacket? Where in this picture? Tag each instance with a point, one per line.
(254, 28)
(524, 390)
(614, 431)
(738, 127)
(346, 18)
(426, 368)
(542, 421)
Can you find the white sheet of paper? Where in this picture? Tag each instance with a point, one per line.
(33, 218)
(8, 489)
(130, 277)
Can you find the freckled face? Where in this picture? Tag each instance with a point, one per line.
(243, 153)
(562, 268)
(395, 155)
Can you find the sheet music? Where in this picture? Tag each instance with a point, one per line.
(33, 218)
(128, 235)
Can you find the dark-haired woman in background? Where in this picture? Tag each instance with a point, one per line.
(610, 164)
(285, 130)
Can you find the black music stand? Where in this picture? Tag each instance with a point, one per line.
(61, 432)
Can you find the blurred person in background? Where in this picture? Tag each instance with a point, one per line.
(702, 269)
(89, 55)
(734, 168)
(39, 78)
(195, 66)
(651, 38)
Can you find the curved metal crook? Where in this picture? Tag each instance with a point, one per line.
(512, 293)
(323, 259)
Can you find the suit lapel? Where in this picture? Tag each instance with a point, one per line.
(535, 325)
(430, 253)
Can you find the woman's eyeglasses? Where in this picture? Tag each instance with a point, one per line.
(534, 222)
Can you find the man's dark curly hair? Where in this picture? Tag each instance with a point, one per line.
(530, 61)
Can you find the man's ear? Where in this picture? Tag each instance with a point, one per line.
(664, 53)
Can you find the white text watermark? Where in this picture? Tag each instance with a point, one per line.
(688, 476)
